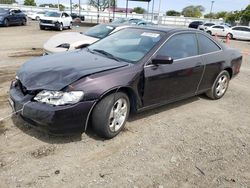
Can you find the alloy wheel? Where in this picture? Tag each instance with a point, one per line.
(221, 86)
(118, 114)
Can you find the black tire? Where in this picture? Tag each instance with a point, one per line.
(60, 27)
(42, 27)
(209, 32)
(37, 18)
(24, 21)
(213, 92)
(101, 120)
(6, 22)
(230, 35)
(71, 25)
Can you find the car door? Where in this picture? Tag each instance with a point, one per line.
(217, 30)
(180, 79)
(213, 58)
(246, 33)
(12, 17)
(237, 32)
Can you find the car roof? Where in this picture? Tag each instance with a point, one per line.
(241, 26)
(165, 29)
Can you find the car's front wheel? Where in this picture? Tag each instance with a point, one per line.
(42, 27)
(209, 32)
(110, 115)
(220, 86)
(60, 27)
(6, 22)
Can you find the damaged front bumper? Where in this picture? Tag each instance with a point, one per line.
(65, 119)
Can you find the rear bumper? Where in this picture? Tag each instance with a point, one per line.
(65, 119)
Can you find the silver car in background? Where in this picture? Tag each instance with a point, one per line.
(240, 32)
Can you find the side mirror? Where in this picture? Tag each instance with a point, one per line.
(159, 59)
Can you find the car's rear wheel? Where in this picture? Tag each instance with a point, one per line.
(220, 86)
(209, 32)
(37, 18)
(6, 22)
(24, 22)
(230, 35)
(110, 115)
(71, 25)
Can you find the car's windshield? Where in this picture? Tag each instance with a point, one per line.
(99, 31)
(128, 44)
(209, 24)
(52, 14)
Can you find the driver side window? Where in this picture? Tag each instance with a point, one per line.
(180, 46)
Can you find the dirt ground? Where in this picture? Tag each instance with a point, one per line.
(192, 143)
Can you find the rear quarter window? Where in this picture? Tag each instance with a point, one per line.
(206, 45)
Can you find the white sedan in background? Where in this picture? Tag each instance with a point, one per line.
(73, 40)
(240, 32)
(56, 20)
(36, 15)
(219, 30)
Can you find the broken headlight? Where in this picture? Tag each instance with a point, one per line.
(59, 97)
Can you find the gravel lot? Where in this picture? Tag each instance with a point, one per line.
(192, 143)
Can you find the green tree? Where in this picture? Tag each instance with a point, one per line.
(173, 13)
(7, 1)
(139, 10)
(232, 17)
(29, 3)
(210, 15)
(193, 11)
(103, 4)
(222, 14)
(245, 16)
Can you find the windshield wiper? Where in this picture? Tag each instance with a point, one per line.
(109, 55)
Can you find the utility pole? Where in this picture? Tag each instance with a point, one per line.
(127, 9)
(114, 11)
(58, 4)
(98, 6)
(70, 6)
(159, 10)
(211, 10)
(152, 10)
(109, 10)
(148, 10)
(79, 7)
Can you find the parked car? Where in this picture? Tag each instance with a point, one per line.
(195, 24)
(239, 32)
(133, 21)
(75, 16)
(133, 69)
(12, 17)
(36, 15)
(205, 26)
(56, 20)
(219, 30)
(70, 41)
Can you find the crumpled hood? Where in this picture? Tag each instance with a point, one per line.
(54, 72)
(70, 38)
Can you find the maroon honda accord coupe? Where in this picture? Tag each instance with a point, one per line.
(131, 70)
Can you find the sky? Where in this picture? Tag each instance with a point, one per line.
(178, 5)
